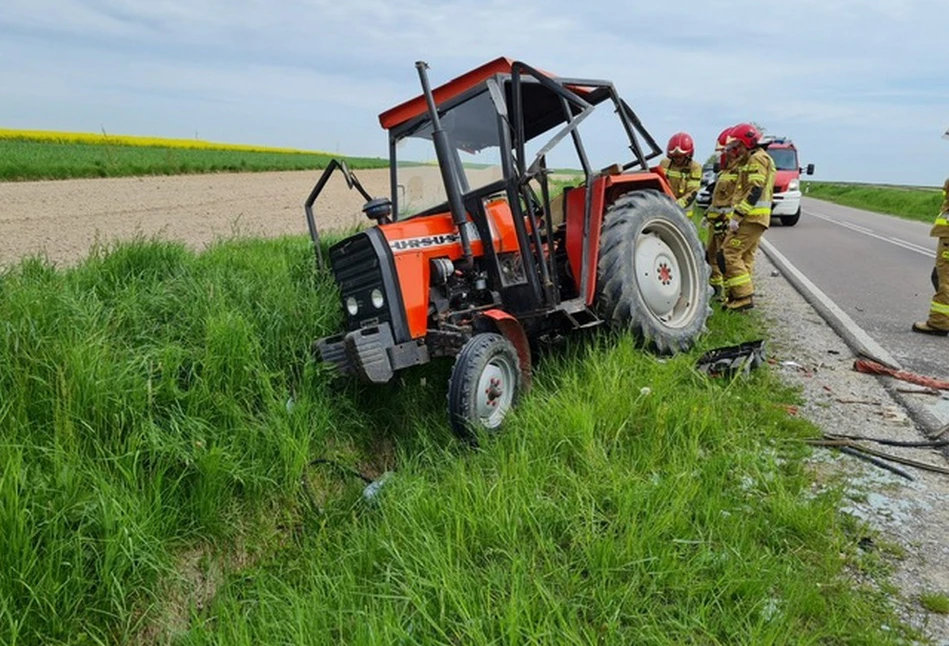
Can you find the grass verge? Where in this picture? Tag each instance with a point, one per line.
(935, 602)
(911, 203)
(161, 414)
(26, 159)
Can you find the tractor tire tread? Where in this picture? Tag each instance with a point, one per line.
(618, 297)
(469, 363)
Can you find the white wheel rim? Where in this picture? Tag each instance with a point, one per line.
(665, 271)
(495, 391)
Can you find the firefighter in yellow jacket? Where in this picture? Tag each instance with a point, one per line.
(938, 321)
(684, 174)
(718, 212)
(751, 216)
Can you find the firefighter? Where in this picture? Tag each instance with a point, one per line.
(684, 174)
(938, 321)
(750, 216)
(716, 218)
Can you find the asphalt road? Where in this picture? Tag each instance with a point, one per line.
(876, 268)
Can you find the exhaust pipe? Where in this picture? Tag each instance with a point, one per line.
(446, 163)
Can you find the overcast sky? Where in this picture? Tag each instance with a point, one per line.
(862, 86)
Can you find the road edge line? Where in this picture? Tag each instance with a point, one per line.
(855, 336)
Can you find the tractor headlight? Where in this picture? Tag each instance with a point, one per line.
(377, 299)
(794, 185)
(352, 306)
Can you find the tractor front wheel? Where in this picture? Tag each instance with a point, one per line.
(652, 275)
(485, 383)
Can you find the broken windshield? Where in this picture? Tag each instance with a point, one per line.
(472, 130)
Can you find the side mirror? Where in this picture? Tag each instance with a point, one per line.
(351, 182)
(810, 169)
(347, 174)
(716, 167)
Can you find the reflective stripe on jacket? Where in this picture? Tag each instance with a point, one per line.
(756, 171)
(724, 192)
(941, 226)
(684, 179)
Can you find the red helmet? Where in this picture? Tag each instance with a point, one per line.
(723, 138)
(680, 145)
(746, 134)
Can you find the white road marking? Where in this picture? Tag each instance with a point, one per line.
(848, 225)
(914, 247)
(856, 337)
(929, 253)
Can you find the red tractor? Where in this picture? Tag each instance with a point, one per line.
(476, 256)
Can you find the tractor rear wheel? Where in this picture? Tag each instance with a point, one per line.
(485, 384)
(652, 277)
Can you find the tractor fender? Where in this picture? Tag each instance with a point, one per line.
(513, 331)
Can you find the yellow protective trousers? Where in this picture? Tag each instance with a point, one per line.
(712, 248)
(939, 308)
(739, 248)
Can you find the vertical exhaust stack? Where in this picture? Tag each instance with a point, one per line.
(446, 164)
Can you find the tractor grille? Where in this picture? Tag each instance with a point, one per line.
(359, 267)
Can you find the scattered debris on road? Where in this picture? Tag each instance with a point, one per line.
(873, 368)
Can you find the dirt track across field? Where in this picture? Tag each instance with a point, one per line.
(63, 219)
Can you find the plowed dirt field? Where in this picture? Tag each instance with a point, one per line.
(63, 219)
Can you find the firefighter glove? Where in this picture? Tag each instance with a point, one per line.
(720, 225)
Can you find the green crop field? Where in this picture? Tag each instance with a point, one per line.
(31, 155)
(914, 203)
(160, 424)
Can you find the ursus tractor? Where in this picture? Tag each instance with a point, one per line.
(481, 253)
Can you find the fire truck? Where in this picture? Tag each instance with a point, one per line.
(786, 203)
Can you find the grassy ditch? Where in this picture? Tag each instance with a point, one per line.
(912, 203)
(41, 156)
(157, 431)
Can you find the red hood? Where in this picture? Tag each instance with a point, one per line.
(783, 178)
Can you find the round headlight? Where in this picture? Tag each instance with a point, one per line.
(377, 300)
(794, 185)
(352, 306)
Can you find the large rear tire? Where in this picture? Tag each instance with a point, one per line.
(791, 220)
(485, 384)
(652, 278)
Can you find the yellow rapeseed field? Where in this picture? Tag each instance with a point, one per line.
(51, 136)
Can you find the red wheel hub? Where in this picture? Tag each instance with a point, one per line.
(494, 391)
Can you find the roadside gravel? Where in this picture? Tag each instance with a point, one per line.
(912, 515)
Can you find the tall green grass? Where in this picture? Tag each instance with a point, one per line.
(40, 160)
(912, 203)
(144, 405)
(159, 417)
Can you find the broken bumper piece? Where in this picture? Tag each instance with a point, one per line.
(370, 353)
